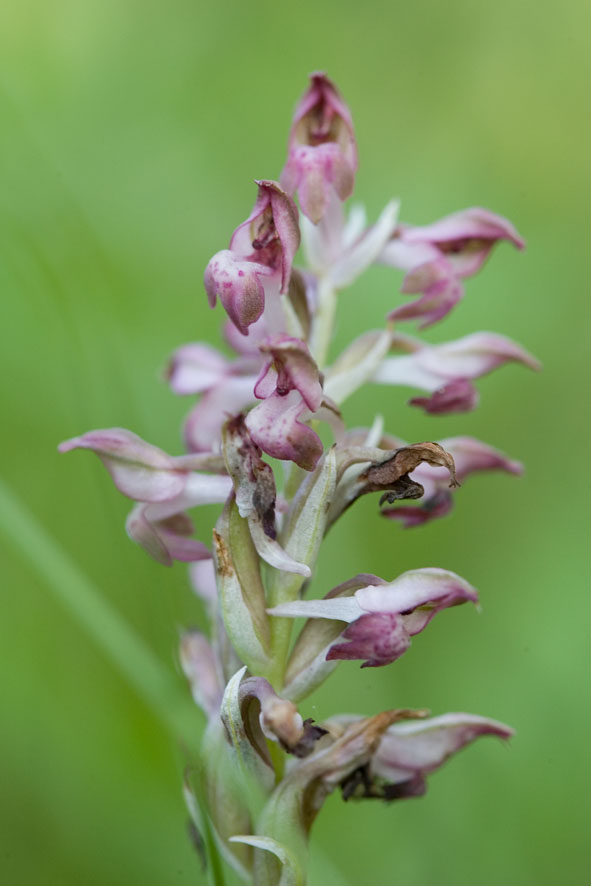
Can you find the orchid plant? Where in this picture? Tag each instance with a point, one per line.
(253, 446)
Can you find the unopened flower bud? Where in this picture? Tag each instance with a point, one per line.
(322, 156)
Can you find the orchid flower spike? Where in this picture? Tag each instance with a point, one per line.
(265, 767)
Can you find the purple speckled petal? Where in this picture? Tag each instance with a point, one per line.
(272, 223)
(237, 282)
(275, 427)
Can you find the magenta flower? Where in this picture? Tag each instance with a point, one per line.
(437, 256)
(290, 388)
(256, 268)
(322, 155)
(446, 370)
(164, 487)
(383, 617)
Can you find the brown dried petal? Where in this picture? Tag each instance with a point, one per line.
(253, 478)
(386, 474)
(307, 742)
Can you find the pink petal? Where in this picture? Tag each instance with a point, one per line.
(203, 580)
(285, 218)
(417, 587)
(266, 383)
(202, 431)
(296, 367)
(307, 171)
(379, 637)
(322, 155)
(236, 281)
(422, 746)
(473, 356)
(475, 223)
(271, 199)
(165, 539)
(471, 455)
(139, 470)
(200, 667)
(432, 508)
(275, 427)
(441, 292)
(143, 532)
(455, 396)
(196, 367)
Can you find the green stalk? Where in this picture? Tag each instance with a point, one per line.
(323, 328)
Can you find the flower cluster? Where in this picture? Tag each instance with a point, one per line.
(266, 769)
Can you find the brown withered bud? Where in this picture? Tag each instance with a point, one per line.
(360, 785)
(307, 742)
(252, 477)
(391, 476)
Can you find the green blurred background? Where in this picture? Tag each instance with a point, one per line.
(130, 135)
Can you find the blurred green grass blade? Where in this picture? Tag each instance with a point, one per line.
(122, 646)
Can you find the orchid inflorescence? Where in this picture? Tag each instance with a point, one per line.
(266, 770)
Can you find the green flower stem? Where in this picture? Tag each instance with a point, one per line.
(323, 328)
